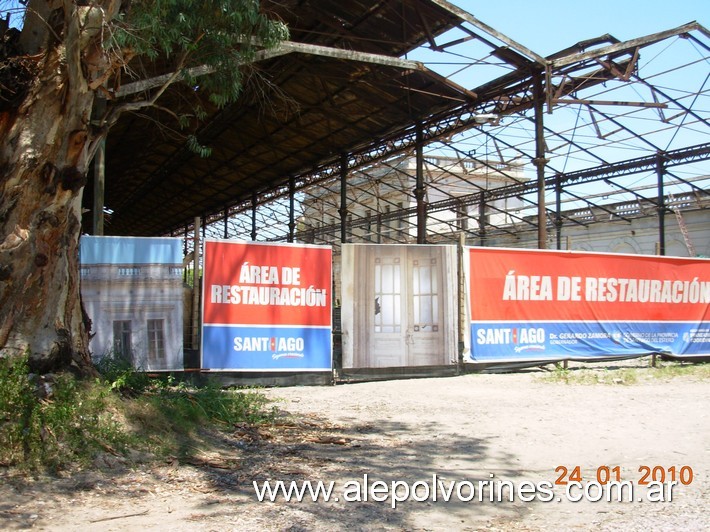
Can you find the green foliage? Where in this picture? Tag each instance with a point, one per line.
(664, 370)
(593, 376)
(171, 417)
(122, 411)
(15, 408)
(194, 145)
(119, 374)
(229, 407)
(67, 426)
(670, 369)
(219, 34)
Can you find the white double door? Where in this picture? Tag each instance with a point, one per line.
(405, 290)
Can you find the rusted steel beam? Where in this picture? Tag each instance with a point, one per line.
(657, 105)
(468, 17)
(284, 48)
(627, 45)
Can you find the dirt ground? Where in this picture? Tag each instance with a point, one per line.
(517, 427)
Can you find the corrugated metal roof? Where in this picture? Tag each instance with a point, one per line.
(297, 111)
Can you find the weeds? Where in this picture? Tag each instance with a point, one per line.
(592, 375)
(60, 422)
(173, 420)
(16, 409)
(49, 422)
(669, 369)
(118, 372)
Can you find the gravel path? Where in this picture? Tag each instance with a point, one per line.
(514, 430)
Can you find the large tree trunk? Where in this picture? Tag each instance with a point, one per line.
(46, 141)
(43, 167)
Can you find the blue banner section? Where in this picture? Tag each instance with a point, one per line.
(248, 348)
(520, 341)
(130, 250)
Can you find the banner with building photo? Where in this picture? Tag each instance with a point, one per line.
(132, 290)
(556, 305)
(266, 307)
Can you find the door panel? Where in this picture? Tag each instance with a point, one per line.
(386, 338)
(425, 339)
(404, 292)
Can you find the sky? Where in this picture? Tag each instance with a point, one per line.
(546, 26)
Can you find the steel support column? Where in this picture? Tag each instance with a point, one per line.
(660, 172)
(291, 208)
(184, 254)
(419, 190)
(540, 161)
(482, 218)
(99, 187)
(253, 217)
(99, 174)
(343, 198)
(196, 286)
(558, 210)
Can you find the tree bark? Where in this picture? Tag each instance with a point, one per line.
(43, 169)
(46, 144)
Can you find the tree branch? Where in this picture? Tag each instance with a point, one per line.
(72, 46)
(117, 110)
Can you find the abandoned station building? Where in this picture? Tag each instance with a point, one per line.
(412, 127)
(384, 199)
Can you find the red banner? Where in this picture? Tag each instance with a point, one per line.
(552, 305)
(512, 284)
(250, 283)
(266, 307)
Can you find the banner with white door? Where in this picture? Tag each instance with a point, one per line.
(399, 305)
